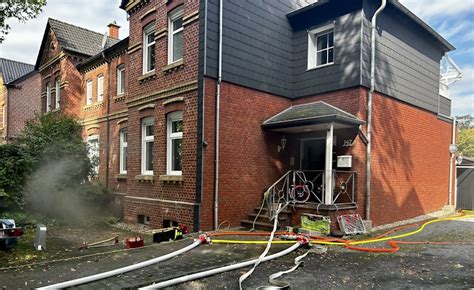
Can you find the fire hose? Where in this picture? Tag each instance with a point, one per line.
(219, 270)
(203, 239)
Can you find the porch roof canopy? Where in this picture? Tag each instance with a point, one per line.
(311, 117)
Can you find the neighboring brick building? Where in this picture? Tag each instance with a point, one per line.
(186, 139)
(10, 99)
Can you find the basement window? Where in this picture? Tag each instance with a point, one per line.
(143, 219)
(169, 223)
(321, 46)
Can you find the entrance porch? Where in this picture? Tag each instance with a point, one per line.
(316, 148)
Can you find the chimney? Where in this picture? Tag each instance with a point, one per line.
(114, 30)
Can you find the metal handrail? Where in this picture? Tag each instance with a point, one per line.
(293, 187)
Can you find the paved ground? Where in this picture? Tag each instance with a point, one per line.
(413, 266)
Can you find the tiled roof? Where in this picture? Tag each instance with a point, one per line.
(11, 69)
(318, 112)
(78, 39)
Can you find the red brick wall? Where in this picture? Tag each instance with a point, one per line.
(24, 103)
(410, 161)
(409, 165)
(249, 161)
(156, 199)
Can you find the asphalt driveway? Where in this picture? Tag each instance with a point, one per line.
(414, 266)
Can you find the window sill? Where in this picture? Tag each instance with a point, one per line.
(171, 178)
(320, 66)
(93, 106)
(173, 66)
(148, 75)
(122, 176)
(119, 98)
(145, 178)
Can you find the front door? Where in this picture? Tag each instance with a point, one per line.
(313, 154)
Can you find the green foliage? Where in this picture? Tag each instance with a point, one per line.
(465, 135)
(15, 164)
(53, 136)
(466, 142)
(22, 10)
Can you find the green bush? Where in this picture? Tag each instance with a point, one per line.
(15, 165)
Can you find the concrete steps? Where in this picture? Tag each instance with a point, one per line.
(263, 221)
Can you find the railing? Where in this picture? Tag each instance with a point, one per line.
(307, 187)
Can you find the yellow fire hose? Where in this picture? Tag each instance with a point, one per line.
(465, 214)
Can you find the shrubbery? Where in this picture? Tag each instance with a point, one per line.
(47, 168)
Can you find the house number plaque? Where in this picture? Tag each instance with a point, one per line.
(347, 143)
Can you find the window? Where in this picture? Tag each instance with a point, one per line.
(120, 80)
(123, 151)
(147, 146)
(4, 117)
(58, 93)
(89, 92)
(174, 143)
(321, 47)
(143, 219)
(175, 36)
(149, 48)
(100, 88)
(93, 144)
(48, 97)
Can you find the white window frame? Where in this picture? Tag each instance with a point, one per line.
(173, 16)
(100, 88)
(89, 139)
(313, 49)
(88, 92)
(48, 97)
(123, 150)
(4, 118)
(172, 117)
(58, 93)
(120, 81)
(146, 139)
(149, 29)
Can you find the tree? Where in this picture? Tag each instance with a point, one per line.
(52, 137)
(465, 135)
(15, 165)
(22, 10)
(466, 142)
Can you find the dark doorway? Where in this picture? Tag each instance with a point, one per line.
(313, 154)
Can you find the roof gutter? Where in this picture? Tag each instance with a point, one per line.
(369, 108)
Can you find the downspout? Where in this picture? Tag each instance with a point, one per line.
(218, 96)
(369, 108)
(451, 160)
(107, 138)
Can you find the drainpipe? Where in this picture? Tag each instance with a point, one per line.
(369, 108)
(451, 160)
(107, 147)
(218, 96)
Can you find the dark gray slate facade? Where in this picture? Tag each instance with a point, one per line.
(265, 47)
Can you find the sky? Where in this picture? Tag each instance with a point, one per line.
(453, 19)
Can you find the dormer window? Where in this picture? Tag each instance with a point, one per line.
(321, 46)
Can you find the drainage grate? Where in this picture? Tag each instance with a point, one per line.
(351, 224)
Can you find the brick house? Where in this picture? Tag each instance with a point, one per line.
(193, 123)
(18, 97)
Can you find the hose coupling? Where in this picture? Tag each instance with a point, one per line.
(204, 239)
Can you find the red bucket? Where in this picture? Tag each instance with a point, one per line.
(134, 242)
